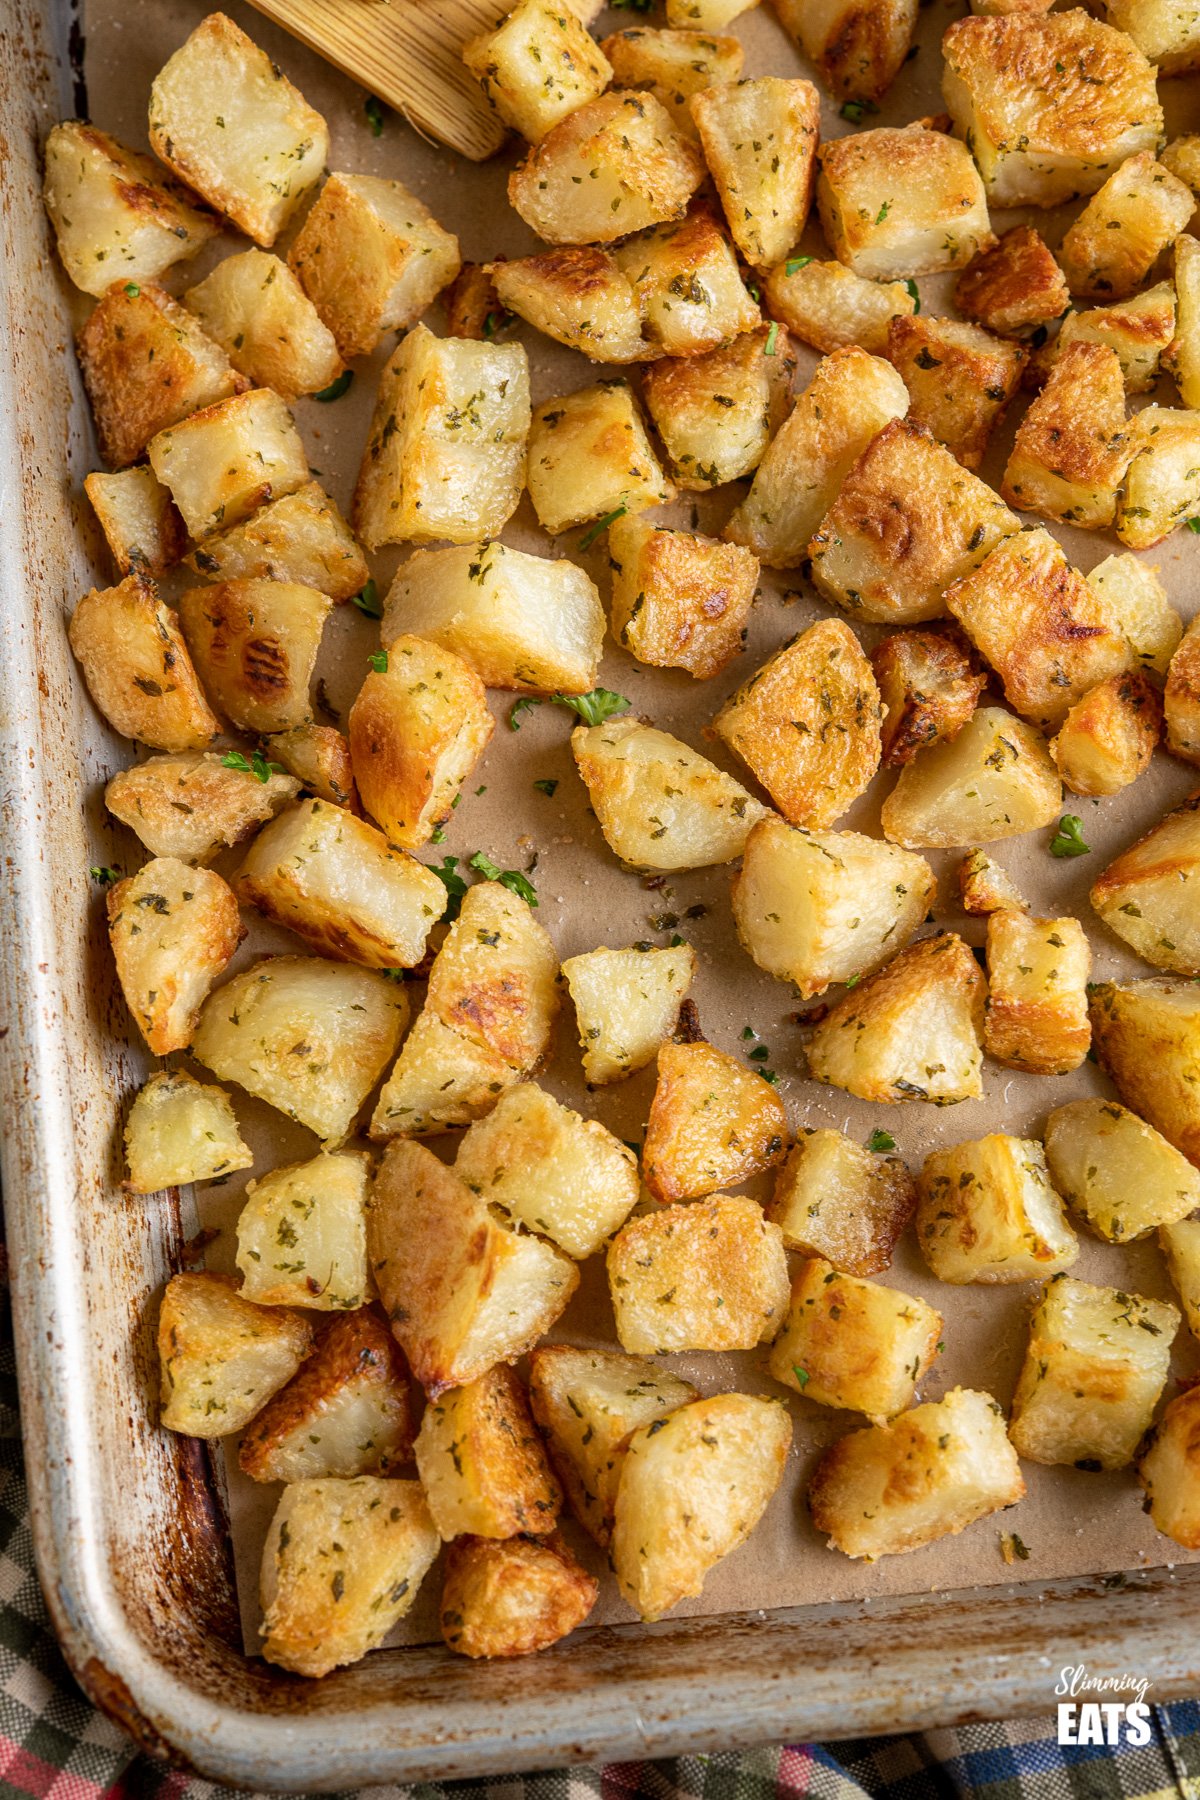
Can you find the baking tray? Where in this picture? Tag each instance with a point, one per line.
(129, 1522)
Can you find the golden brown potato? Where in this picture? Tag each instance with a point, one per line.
(995, 780)
(1037, 1014)
(701, 815)
(1164, 30)
(222, 1357)
(1162, 487)
(180, 1130)
(462, 1292)
(1116, 1171)
(416, 730)
(318, 757)
(482, 1463)
(1184, 357)
(1180, 1245)
(911, 1031)
(225, 461)
(137, 667)
(226, 119)
(760, 142)
(986, 887)
(172, 929)
(1142, 330)
(1147, 895)
(255, 644)
(959, 380)
(141, 527)
(679, 600)
(1114, 243)
(1168, 1470)
(706, 15)
(833, 1199)
(302, 1239)
(346, 1413)
(1181, 698)
(717, 413)
(712, 1276)
(299, 537)
(537, 66)
(1014, 287)
(590, 458)
(987, 1212)
(614, 165)
(512, 1597)
(929, 689)
(712, 1123)
(579, 296)
(854, 1344)
(672, 64)
(1107, 739)
(193, 805)
(859, 46)
(807, 725)
(685, 281)
(1072, 449)
(253, 306)
(896, 203)
(829, 307)
(626, 1005)
(1147, 1037)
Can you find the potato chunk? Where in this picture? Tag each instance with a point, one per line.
(987, 1212)
(146, 365)
(1037, 1014)
(1147, 895)
(1095, 1366)
(1181, 698)
(928, 1475)
(342, 1563)
(537, 66)
(1116, 1171)
(138, 518)
(488, 1015)
(255, 644)
(302, 1239)
(686, 285)
(829, 307)
(230, 123)
(222, 1357)
(995, 780)
(512, 1597)
(626, 1005)
(521, 622)
(482, 1463)
(712, 1122)
(1185, 350)
(550, 1169)
(1072, 449)
(717, 413)
(1180, 1244)
(253, 306)
(461, 1291)
(115, 216)
(760, 141)
(987, 888)
(1014, 286)
(589, 1403)
(911, 1031)
(309, 1037)
(1168, 1470)
(706, 15)
(672, 64)
(137, 668)
(1167, 31)
(1107, 739)
(701, 815)
(318, 756)
(579, 296)
(1141, 330)
(181, 1130)
(693, 1487)
(897, 203)
(712, 1276)
(929, 688)
(445, 456)
(1147, 1037)
(1048, 106)
(859, 48)
(907, 522)
(300, 537)
(854, 1344)
(172, 929)
(835, 1200)
(590, 457)
(1116, 240)
(959, 380)
(225, 461)
(817, 907)
(1162, 487)
(1136, 601)
(850, 399)
(192, 805)
(614, 165)
(807, 724)
(679, 600)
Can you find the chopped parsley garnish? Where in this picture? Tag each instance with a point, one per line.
(801, 1375)
(593, 532)
(594, 707)
(1068, 839)
(337, 388)
(512, 879)
(546, 786)
(132, 289)
(368, 601)
(453, 883)
(911, 285)
(796, 262)
(769, 346)
(378, 660)
(103, 874)
(255, 764)
(853, 110)
(881, 1140)
(524, 705)
(374, 112)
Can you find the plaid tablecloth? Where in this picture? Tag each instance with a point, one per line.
(55, 1746)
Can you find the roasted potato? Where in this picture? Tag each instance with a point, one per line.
(180, 1130)
(1181, 697)
(712, 1123)
(959, 380)
(137, 668)
(987, 1212)
(1147, 1039)
(1184, 356)
(590, 458)
(225, 461)
(302, 1238)
(1147, 895)
(995, 780)
(672, 64)
(253, 306)
(193, 805)
(716, 414)
(626, 1005)
(826, 305)
(537, 66)
(512, 1596)
(1182, 157)
(711, 1276)
(687, 287)
(1162, 487)
(1116, 1171)
(482, 1464)
(760, 141)
(986, 887)
(612, 166)
(679, 600)
(172, 929)
(1037, 1012)
(1107, 739)
(1141, 330)
(706, 15)
(1116, 240)
(854, 1344)
(300, 537)
(1168, 1464)
(255, 644)
(579, 296)
(859, 46)
(1180, 1245)
(222, 1357)
(1136, 601)
(835, 1200)
(141, 527)
(318, 756)
(896, 203)
(1014, 286)
(929, 688)
(1071, 449)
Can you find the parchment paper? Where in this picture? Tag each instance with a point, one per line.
(1072, 1522)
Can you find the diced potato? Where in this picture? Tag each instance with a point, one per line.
(537, 66)
(854, 1344)
(987, 1212)
(1048, 106)
(522, 622)
(1148, 894)
(1037, 1013)
(706, 15)
(614, 165)
(834, 1199)
(487, 1020)
(230, 123)
(302, 1239)
(1181, 698)
(959, 380)
(1107, 739)
(318, 756)
(716, 414)
(446, 451)
(673, 65)
(679, 601)
(222, 1357)
(908, 520)
(513, 1596)
(928, 1475)
(929, 688)
(910, 1032)
(461, 1291)
(482, 1464)
(192, 805)
(1185, 349)
(859, 46)
(115, 216)
(371, 257)
(1180, 1244)
(338, 884)
(341, 1565)
(995, 780)
(1168, 1470)
(1147, 1037)
(139, 521)
(1167, 31)
(1014, 287)
(1136, 601)
(550, 1169)
(1116, 240)
(1071, 449)
(253, 306)
(701, 815)
(850, 398)
(813, 908)
(686, 285)
(181, 1130)
(807, 724)
(760, 141)
(711, 1276)
(225, 461)
(1096, 1364)
(255, 644)
(1162, 488)
(590, 457)
(307, 1036)
(1141, 330)
(1116, 1171)
(626, 1005)
(897, 203)
(986, 887)
(828, 306)
(589, 1403)
(146, 365)
(579, 296)
(301, 537)
(172, 929)
(693, 1487)
(471, 303)
(1182, 157)
(712, 1122)
(346, 1413)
